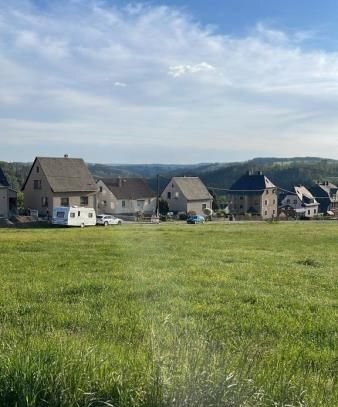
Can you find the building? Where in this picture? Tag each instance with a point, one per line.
(253, 194)
(187, 194)
(301, 201)
(125, 196)
(55, 181)
(7, 197)
(326, 194)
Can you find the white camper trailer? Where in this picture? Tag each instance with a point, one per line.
(74, 216)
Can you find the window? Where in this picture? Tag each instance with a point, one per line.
(266, 202)
(267, 191)
(308, 212)
(266, 212)
(44, 202)
(123, 204)
(90, 214)
(204, 206)
(288, 201)
(177, 194)
(37, 184)
(295, 201)
(78, 213)
(140, 203)
(104, 203)
(37, 169)
(169, 195)
(72, 215)
(274, 201)
(149, 201)
(101, 189)
(83, 200)
(273, 212)
(64, 201)
(60, 215)
(315, 211)
(240, 206)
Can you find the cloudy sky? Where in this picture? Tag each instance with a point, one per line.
(168, 81)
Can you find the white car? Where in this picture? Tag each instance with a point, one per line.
(108, 220)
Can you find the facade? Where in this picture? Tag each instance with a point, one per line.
(187, 194)
(7, 198)
(302, 202)
(253, 194)
(54, 182)
(125, 196)
(326, 194)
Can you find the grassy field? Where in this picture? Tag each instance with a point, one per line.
(170, 316)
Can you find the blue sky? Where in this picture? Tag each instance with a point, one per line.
(171, 82)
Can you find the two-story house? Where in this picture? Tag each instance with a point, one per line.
(187, 194)
(125, 196)
(301, 201)
(253, 194)
(326, 194)
(55, 181)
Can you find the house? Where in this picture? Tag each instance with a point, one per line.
(326, 194)
(253, 194)
(7, 197)
(187, 194)
(125, 196)
(55, 181)
(301, 201)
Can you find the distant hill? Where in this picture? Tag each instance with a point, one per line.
(284, 172)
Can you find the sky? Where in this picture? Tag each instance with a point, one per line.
(176, 81)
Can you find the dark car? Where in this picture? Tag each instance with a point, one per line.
(195, 219)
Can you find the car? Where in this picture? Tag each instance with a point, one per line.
(108, 220)
(195, 219)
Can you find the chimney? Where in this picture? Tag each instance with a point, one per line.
(65, 156)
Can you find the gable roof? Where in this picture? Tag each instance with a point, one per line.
(65, 174)
(305, 195)
(252, 183)
(3, 179)
(129, 188)
(192, 188)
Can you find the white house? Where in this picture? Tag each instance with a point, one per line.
(125, 196)
(302, 202)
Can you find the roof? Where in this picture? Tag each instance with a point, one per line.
(192, 188)
(3, 179)
(305, 195)
(66, 174)
(129, 188)
(252, 182)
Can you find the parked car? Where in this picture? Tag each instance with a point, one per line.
(108, 220)
(195, 219)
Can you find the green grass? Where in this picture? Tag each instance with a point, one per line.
(170, 316)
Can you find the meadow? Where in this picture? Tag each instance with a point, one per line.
(170, 315)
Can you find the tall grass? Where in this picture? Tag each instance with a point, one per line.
(169, 316)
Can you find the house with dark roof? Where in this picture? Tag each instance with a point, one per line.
(187, 194)
(125, 196)
(253, 194)
(326, 194)
(58, 181)
(7, 197)
(301, 201)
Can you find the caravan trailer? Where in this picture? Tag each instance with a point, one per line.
(74, 216)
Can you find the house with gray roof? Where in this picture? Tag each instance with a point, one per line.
(125, 196)
(326, 194)
(254, 194)
(7, 197)
(187, 194)
(301, 201)
(58, 181)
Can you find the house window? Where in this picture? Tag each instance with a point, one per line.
(101, 189)
(123, 204)
(267, 191)
(204, 206)
(140, 203)
(44, 201)
(295, 201)
(273, 212)
(37, 184)
(83, 200)
(169, 195)
(64, 201)
(308, 212)
(315, 211)
(266, 202)
(288, 201)
(104, 203)
(37, 169)
(266, 212)
(177, 194)
(274, 201)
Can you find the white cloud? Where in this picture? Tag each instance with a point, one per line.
(179, 70)
(261, 93)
